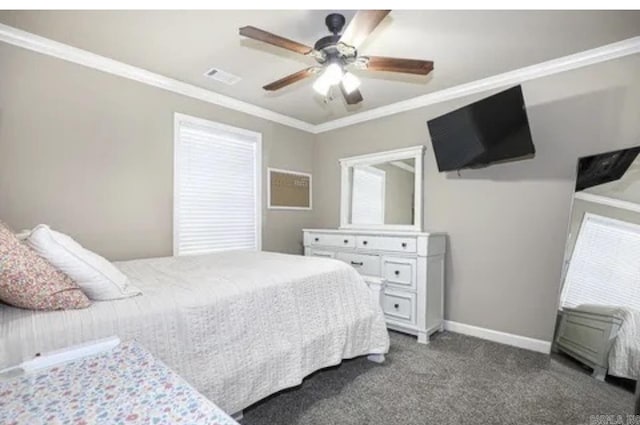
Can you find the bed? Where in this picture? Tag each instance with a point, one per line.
(238, 326)
(604, 338)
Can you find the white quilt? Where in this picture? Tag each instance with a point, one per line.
(238, 326)
(624, 357)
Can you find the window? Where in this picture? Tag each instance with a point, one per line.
(367, 201)
(604, 267)
(217, 187)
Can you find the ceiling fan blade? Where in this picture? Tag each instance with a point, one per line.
(407, 66)
(352, 98)
(361, 26)
(275, 40)
(290, 79)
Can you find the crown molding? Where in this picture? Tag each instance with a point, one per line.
(604, 53)
(69, 53)
(63, 51)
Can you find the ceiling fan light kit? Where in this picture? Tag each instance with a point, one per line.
(336, 52)
(333, 75)
(321, 86)
(329, 77)
(350, 82)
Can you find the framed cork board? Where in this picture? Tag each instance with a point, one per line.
(289, 190)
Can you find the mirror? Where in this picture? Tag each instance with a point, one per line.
(599, 305)
(383, 190)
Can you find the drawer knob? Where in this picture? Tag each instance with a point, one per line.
(316, 239)
(364, 242)
(397, 272)
(346, 241)
(396, 306)
(404, 244)
(357, 263)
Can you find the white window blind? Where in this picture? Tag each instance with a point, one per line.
(367, 204)
(605, 265)
(217, 187)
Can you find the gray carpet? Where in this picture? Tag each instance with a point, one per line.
(454, 380)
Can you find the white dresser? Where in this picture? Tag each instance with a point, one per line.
(411, 265)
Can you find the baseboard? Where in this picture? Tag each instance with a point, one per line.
(527, 343)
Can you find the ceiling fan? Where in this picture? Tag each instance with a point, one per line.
(335, 53)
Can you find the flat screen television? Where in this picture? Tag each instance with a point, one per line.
(603, 168)
(491, 130)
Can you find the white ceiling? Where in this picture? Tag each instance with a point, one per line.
(465, 46)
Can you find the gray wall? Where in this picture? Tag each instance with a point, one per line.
(92, 155)
(398, 197)
(507, 224)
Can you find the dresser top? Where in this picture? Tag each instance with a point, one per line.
(375, 232)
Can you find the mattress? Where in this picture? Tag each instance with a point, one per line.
(238, 326)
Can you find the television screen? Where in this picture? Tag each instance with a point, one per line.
(603, 168)
(490, 130)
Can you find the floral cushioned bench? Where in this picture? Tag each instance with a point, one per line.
(125, 385)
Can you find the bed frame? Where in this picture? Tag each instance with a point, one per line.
(587, 336)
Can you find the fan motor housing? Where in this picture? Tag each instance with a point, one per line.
(330, 48)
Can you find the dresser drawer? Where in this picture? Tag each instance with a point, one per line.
(327, 239)
(320, 253)
(399, 271)
(368, 265)
(399, 306)
(383, 243)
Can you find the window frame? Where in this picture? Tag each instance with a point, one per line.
(379, 173)
(180, 118)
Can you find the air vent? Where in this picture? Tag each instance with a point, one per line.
(222, 76)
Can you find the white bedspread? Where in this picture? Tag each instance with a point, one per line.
(238, 326)
(624, 357)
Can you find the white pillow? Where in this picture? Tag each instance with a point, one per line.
(96, 276)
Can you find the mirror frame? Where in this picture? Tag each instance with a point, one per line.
(414, 152)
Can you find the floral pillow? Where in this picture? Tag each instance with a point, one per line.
(29, 281)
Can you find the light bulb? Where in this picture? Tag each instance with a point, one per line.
(331, 76)
(333, 73)
(350, 82)
(321, 85)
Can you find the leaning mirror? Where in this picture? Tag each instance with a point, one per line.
(599, 308)
(382, 190)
